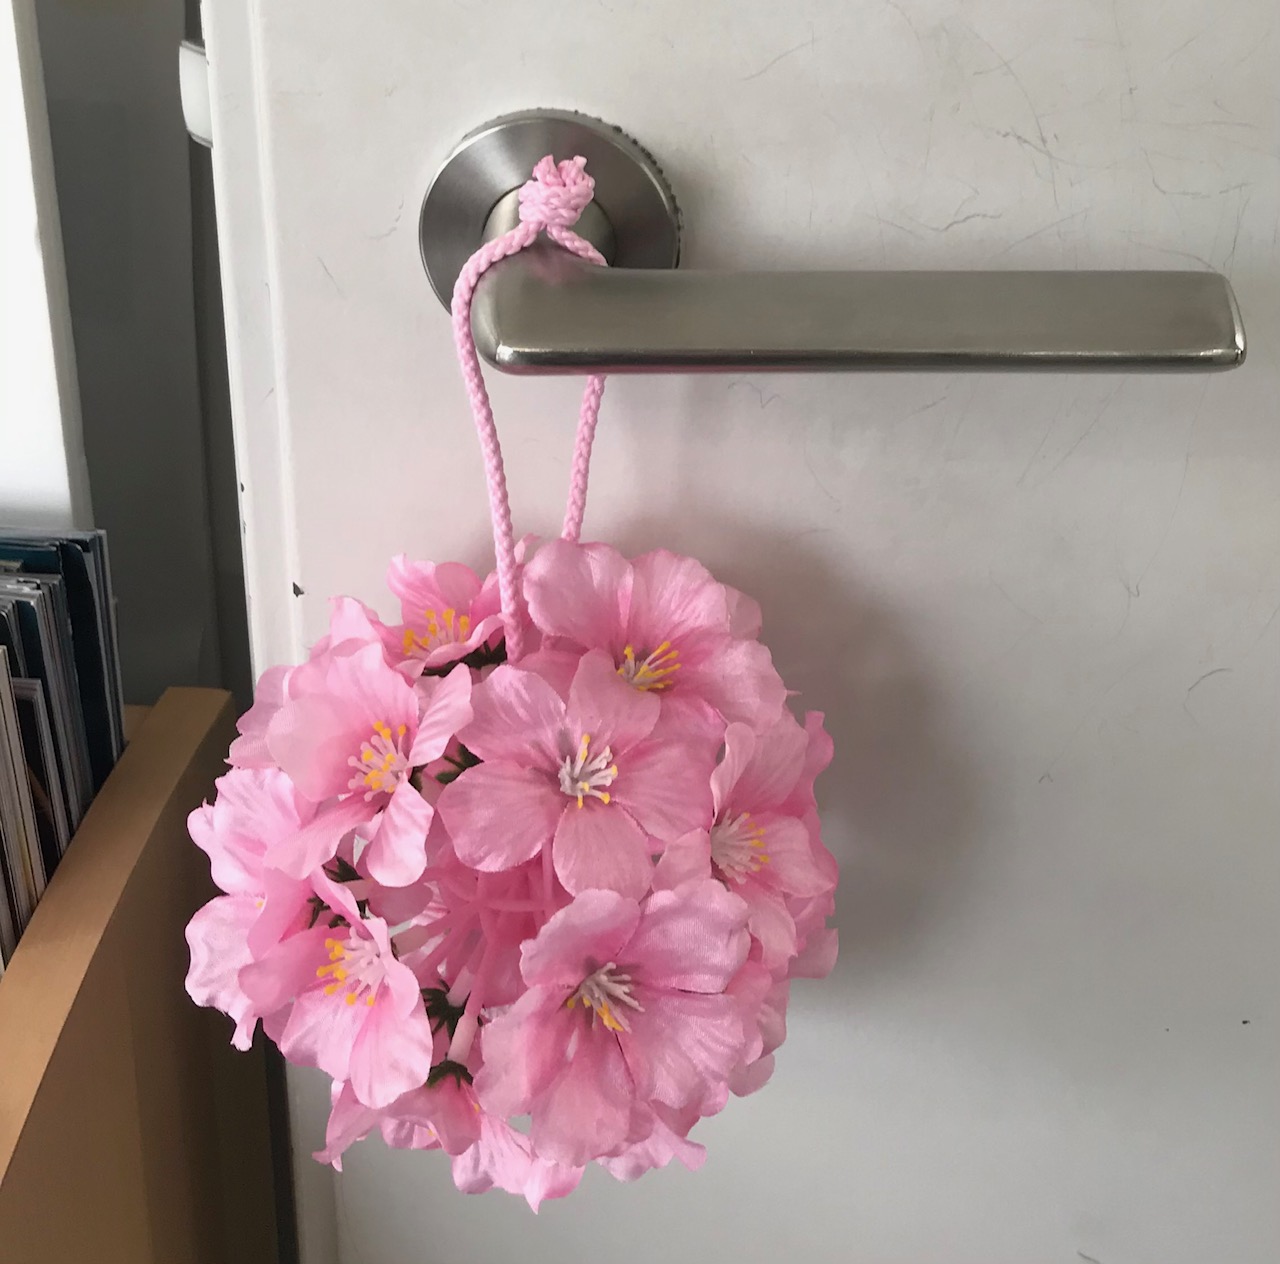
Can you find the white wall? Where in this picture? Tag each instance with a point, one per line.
(1040, 610)
(43, 480)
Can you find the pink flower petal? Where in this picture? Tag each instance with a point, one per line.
(769, 923)
(686, 859)
(750, 988)
(397, 853)
(586, 1113)
(556, 667)
(693, 939)
(792, 865)
(579, 939)
(739, 745)
(817, 758)
(352, 620)
(273, 1024)
(578, 591)
(683, 1045)
(603, 706)
(823, 860)
(549, 1180)
(772, 1015)
(451, 1110)
(338, 897)
(502, 1158)
(312, 739)
(812, 912)
(324, 722)
(600, 846)
(423, 586)
(690, 719)
(217, 937)
(320, 1032)
(818, 956)
(752, 1076)
(517, 717)
(671, 597)
(371, 689)
(283, 901)
(745, 618)
(740, 681)
(666, 786)
(655, 1151)
(236, 840)
(447, 708)
(404, 1134)
(773, 770)
(500, 814)
(249, 750)
(261, 802)
(524, 1050)
(301, 853)
(390, 1053)
(275, 978)
(349, 1121)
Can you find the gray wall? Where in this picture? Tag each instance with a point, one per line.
(148, 346)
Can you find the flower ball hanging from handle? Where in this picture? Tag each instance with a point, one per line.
(546, 846)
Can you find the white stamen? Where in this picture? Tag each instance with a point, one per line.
(602, 992)
(737, 847)
(585, 776)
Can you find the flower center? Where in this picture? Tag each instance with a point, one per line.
(449, 628)
(356, 967)
(737, 847)
(585, 775)
(603, 992)
(381, 763)
(655, 671)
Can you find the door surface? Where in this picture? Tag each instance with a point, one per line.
(1040, 611)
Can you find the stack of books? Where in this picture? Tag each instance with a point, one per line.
(61, 706)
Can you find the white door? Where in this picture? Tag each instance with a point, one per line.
(1040, 611)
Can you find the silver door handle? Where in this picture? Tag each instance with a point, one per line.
(545, 311)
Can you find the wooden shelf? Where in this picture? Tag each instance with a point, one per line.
(130, 1131)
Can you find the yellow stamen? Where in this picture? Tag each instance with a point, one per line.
(608, 1019)
(654, 671)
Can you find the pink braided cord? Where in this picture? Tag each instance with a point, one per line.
(551, 202)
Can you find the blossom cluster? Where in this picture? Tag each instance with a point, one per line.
(572, 889)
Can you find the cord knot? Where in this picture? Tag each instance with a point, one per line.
(558, 193)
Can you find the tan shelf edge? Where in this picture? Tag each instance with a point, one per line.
(129, 1131)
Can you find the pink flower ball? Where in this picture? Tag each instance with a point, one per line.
(574, 887)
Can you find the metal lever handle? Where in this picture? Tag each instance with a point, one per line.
(547, 312)
(559, 315)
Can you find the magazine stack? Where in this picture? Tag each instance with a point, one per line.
(61, 707)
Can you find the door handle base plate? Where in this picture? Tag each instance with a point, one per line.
(637, 224)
